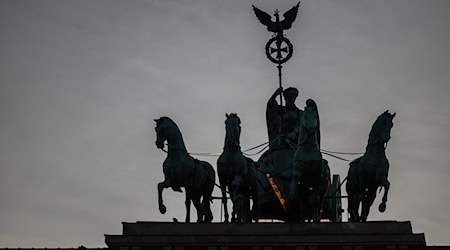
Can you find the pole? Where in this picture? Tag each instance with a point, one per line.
(281, 102)
(279, 78)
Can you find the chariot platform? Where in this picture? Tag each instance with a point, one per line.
(267, 236)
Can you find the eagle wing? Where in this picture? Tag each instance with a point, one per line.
(289, 17)
(264, 18)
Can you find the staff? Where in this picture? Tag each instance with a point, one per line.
(283, 47)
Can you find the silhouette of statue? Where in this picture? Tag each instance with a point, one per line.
(182, 170)
(310, 170)
(233, 168)
(283, 122)
(370, 171)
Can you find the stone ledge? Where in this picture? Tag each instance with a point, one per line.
(170, 228)
(286, 236)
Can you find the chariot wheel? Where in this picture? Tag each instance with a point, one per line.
(336, 200)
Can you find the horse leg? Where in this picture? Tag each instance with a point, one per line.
(368, 201)
(386, 186)
(246, 208)
(236, 214)
(208, 216)
(292, 200)
(242, 208)
(316, 208)
(297, 196)
(350, 207)
(198, 207)
(165, 184)
(312, 208)
(233, 200)
(309, 211)
(301, 209)
(296, 174)
(354, 200)
(317, 188)
(355, 206)
(354, 196)
(303, 203)
(223, 188)
(187, 202)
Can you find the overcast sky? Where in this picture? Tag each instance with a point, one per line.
(82, 81)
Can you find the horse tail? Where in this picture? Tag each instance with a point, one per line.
(212, 179)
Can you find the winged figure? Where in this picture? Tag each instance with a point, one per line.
(277, 26)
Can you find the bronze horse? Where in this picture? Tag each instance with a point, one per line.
(311, 174)
(370, 171)
(232, 168)
(182, 170)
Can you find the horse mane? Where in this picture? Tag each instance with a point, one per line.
(234, 115)
(165, 118)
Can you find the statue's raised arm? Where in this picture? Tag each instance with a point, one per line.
(283, 122)
(273, 112)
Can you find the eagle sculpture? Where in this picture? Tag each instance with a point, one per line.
(277, 26)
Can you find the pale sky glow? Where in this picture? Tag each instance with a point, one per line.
(82, 81)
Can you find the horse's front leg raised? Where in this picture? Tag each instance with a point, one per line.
(386, 185)
(165, 184)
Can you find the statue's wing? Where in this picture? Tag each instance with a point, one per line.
(264, 18)
(289, 17)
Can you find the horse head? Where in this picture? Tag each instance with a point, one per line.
(309, 121)
(163, 130)
(381, 129)
(232, 129)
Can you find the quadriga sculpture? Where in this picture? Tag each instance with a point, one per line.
(181, 170)
(370, 171)
(311, 174)
(233, 170)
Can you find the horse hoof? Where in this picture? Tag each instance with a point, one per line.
(208, 219)
(382, 207)
(162, 209)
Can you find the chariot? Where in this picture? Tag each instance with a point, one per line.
(273, 182)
